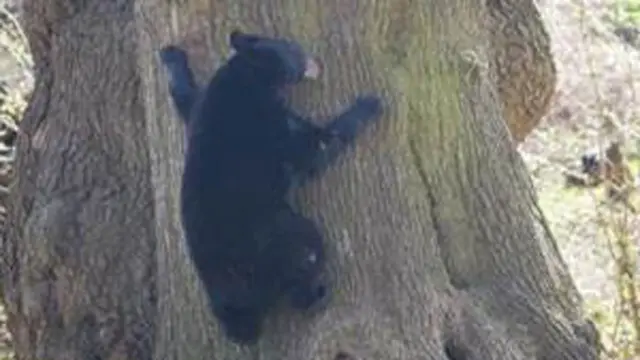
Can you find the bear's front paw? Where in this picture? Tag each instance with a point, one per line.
(368, 107)
(172, 54)
(365, 110)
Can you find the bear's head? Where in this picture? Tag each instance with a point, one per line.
(276, 61)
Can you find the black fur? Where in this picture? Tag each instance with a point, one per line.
(182, 86)
(245, 150)
(590, 163)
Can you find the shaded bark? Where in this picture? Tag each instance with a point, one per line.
(78, 260)
(438, 249)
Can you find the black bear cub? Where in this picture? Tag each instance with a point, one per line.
(245, 150)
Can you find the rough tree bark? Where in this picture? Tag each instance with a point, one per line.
(78, 263)
(521, 60)
(438, 248)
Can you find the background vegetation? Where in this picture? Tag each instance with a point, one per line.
(16, 82)
(596, 44)
(597, 50)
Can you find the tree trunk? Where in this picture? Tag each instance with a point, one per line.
(438, 248)
(78, 260)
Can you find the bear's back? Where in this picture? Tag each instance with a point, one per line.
(234, 169)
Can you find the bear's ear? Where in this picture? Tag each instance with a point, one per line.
(242, 42)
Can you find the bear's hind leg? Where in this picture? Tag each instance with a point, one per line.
(243, 325)
(309, 295)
